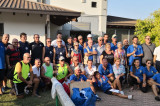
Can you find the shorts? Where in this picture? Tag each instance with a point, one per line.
(108, 91)
(1, 74)
(121, 79)
(19, 88)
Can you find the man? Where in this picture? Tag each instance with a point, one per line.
(5, 41)
(54, 42)
(89, 37)
(63, 71)
(47, 71)
(106, 39)
(80, 77)
(114, 42)
(23, 45)
(36, 48)
(106, 69)
(156, 59)
(90, 53)
(100, 48)
(36, 75)
(155, 84)
(80, 40)
(134, 51)
(148, 49)
(75, 64)
(69, 47)
(48, 50)
(59, 51)
(2, 65)
(125, 44)
(21, 75)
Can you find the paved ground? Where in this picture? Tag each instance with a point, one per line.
(140, 99)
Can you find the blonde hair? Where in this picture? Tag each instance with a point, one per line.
(108, 44)
(75, 43)
(115, 59)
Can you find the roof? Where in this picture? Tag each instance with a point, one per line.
(24, 6)
(120, 21)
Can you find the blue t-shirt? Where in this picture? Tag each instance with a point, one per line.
(75, 78)
(2, 56)
(151, 72)
(113, 47)
(138, 72)
(108, 70)
(81, 49)
(104, 85)
(156, 78)
(91, 50)
(139, 51)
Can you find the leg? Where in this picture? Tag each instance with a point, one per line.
(19, 89)
(120, 95)
(155, 90)
(36, 83)
(1, 79)
(1, 88)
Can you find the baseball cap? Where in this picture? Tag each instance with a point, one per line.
(114, 35)
(61, 58)
(89, 35)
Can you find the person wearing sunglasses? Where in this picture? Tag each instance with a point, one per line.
(54, 43)
(81, 44)
(148, 49)
(48, 50)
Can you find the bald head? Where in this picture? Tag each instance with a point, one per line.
(47, 60)
(26, 58)
(37, 63)
(5, 38)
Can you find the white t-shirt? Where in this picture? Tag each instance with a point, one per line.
(45, 68)
(36, 71)
(54, 43)
(90, 72)
(157, 53)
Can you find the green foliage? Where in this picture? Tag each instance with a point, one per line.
(149, 26)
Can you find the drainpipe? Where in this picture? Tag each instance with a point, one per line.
(46, 27)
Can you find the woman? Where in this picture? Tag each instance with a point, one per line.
(120, 53)
(90, 69)
(76, 52)
(119, 73)
(108, 54)
(106, 86)
(138, 76)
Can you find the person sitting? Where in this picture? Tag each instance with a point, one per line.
(80, 77)
(20, 78)
(105, 85)
(63, 71)
(106, 69)
(76, 63)
(119, 73)
(90, 69)
(138, 76)
(155, 84)
(47, 71)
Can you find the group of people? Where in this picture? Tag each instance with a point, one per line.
(107, 65)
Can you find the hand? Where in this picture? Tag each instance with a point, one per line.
(56, 71)
(118, 77)
(82, 80)
(134, 52)
(65, 79)
(9, 67)
(144, 84)
(138, 80)
(112, 87)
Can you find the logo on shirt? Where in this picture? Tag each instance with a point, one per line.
(50, 52)
(26, 48)
(140, 71)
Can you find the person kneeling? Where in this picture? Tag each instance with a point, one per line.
(80, 77)
(106, 86)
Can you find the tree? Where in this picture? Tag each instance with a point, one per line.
(149, 26)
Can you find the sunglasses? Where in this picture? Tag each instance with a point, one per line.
(48, 41)
(15, 42)
(76, 45)
(148, 63)
(148, 38)
(80, 39)
(59, 41)
(62, 60)
(29, 57)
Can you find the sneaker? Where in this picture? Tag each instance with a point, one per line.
(98, 98)
(6, 88)
(130, 96)
(121, 92)
(157, 98)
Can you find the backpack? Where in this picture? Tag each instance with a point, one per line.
(11, 74)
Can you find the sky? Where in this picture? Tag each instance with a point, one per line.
(135, 9)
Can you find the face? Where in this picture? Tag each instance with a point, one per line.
(98, 75)
(48, 42)
(90, 43)
(75, 39)
(76, 60)
(120, 46)
(77, 71)
(135, 41)
(23, 38)
(70, 40)
(76, 46)
(36, 38)
(148, 63)
(105, 62)
(5, 38)
(108, 47)
(125, 42)
(80, 39)
(15, 43)
(27, 58)
(114, 39)
(148, 39)
(59, 36)
(89, 63)
(100, 40)
(59, 42)
(89, 38)
(62, 62)
(117, 62)
(136, 63)
(38, 63)
(47, 60)
(105, 37)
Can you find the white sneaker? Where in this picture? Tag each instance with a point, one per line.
(130, 96)
(121, 92)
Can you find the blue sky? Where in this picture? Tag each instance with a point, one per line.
(135, 9)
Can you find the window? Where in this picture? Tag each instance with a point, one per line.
(94, 4)
(83, 1)
(1, 30)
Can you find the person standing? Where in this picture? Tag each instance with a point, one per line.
(125, 45)
(23, 45)
(106, 39)
(69, 47)
(114, 42)
(36, 48)
(48, 50)
(148, 49)
(89, 37)
(81, 44)
(54, 43)
(134, 51)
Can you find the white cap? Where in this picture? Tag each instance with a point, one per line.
(114, 35)
(61, 58)
(76, 68)
(89, 35)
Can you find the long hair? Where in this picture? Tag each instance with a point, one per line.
(133, 66)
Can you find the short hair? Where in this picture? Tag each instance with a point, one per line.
(48, 38)
(148, 60)
(89, 60)
(105, 34)
(134, 37)
(75, 43)
(95, 73)
(146, 36)
(108, 44)
(79, 37)
(119, 43)
(115, 59)
(36, 34)
(59, 33)
(23, 34)
(104, 59)
(100, 37)
(5, 34)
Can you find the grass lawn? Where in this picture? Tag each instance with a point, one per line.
(45, 100)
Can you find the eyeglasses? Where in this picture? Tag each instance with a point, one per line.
(48, 41)
(100, 40)
(76, 45)
(59, 41)
(37, 37)
(62, 60)
(148, 38)
(148, 63)
(29, 57)
(15, 42)
(80, 39)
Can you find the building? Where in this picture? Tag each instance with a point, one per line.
(18, 16)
